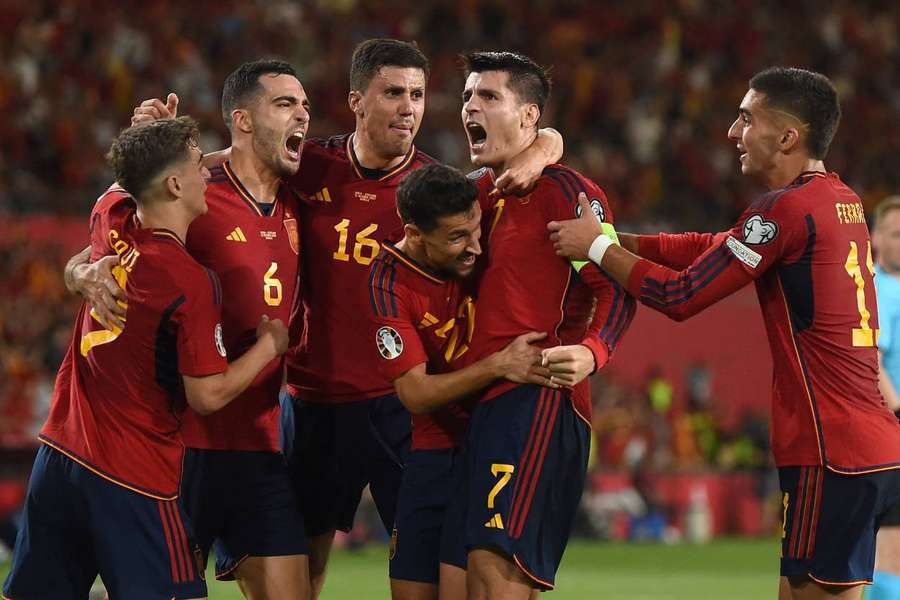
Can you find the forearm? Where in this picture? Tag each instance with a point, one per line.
(549, 143)
(613, 313)
(676, 251)
(423, 393)
(80, 259)
(677, 294)
(630, 242)
(213, 392)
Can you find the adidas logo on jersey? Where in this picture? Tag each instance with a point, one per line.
(496, 522)
(236, 236)
(323, 195)
(427, 321)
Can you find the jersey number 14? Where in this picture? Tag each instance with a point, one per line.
(863, 336)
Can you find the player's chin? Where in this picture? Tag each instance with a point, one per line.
(288, 167)
(464, 269)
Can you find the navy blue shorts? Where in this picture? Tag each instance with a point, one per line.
(831, 521)
(77, 525)
(892, 518)
(338, 449)
(243, 505)
(425, 492)
(523, 472)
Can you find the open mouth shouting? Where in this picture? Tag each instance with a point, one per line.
(477, 136)
(293, 146)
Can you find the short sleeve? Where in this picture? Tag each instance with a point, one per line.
(201, 349)
(393, 332)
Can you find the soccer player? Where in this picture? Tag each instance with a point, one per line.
(237, 484)
(806, 246)
(525, 456)
(104, 492)
(886, 244)
(423, 317)
(348, 419)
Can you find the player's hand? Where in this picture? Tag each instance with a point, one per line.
(520, 361)
(568, 365)
(519, 178)
(95, 283)
(154, 110)
(526, 168)
(274, 330)
(573, 238)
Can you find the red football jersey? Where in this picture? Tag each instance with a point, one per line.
(807, 248)
(419, 317)
(256, 258)
(119, 395)
(525, 286)
(348, 209)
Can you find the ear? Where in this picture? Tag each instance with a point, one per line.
(241, 121)
(790, 139)
(354, 99)
(530, 116)
(173, 186)
(412, 232)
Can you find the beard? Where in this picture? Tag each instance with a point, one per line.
(266, 147)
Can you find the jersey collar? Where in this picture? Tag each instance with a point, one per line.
(417, 267)
(245, 195)
(376, 174)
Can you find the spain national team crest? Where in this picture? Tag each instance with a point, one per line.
(290, 225)
(220, 343)
(389, 342)
(596, 208)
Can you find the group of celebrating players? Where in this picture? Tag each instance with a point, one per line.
(435, 330)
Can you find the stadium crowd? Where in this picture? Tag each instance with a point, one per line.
(641, 88)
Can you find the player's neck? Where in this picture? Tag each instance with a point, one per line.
(255, 176)
(520, 146)
(783, 175)
(368, 156)
(414, 251)
(164, 214)
(411, 250)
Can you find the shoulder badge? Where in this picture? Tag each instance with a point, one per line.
(389, 342)
(759, 231)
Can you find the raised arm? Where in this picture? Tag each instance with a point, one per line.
(725, 267)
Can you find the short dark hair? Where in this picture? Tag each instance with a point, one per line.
(140, 153)
(809, 96)
(432, 192)
(530, 81)
(242, 85)
(370, 55)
